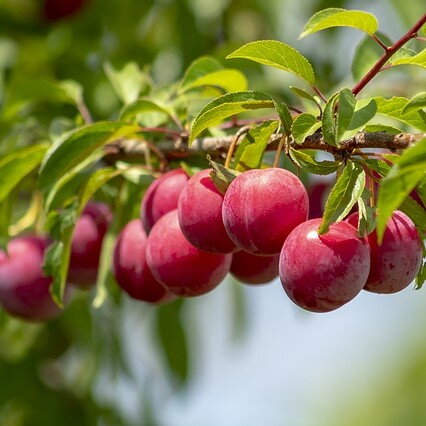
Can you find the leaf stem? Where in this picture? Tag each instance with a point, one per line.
(410, 34)
(379, 42)
(234, 142)
(319, 93)
(283, 140)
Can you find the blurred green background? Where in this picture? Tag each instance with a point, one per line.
(237, 356)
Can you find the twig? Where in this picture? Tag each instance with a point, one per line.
(379, 42)
(318, 92)
(411, 33)
(84, 112)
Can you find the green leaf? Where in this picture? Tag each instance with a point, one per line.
(329, 121)
(366, 55)
(345, 112)
(394, 107)
(343, 196)
(172, 339)
(365, 110)
(366, 215)
(75, 147)
(399, 182)
(250, 151)
(6, 209)
(285, 116)
(308, 163)
(303, 94)
(419, 60)
(402, 53)
(230, 80)
(371, 128)
(221, 176)
(336, 17)
(57, 257)
(227, 106)
(126, 82)
(18, 164)
(278, 55)
(198, 69)
(416, 213)
(303, 126)
(416, 102)
(73, 90)
(133, 110)
(421, 190)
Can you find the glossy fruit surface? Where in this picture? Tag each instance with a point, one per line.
(396, 262)
(162, 196)
(251, 269)
(261, 207)
(321, 273)
(182, 268)
(200, 215)
(24, 288)
(86, 247)
(130, 268)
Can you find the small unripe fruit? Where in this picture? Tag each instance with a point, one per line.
(200, 215)
(130, 268)
(24, 288)
(396, 262)
(321, 273)
(182, 268)
(251, 269)
(261, 207)
(162, 196)
(86, 247)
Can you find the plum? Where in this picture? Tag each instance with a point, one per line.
(24, 288)
(251, 269)
(396, 262)
(130, 268)
(261, 207)
(182, 268)
(162, 196)
(321, 273)
(86, 247)
(200, 215)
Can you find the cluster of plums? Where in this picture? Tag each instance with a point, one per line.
(190, 236)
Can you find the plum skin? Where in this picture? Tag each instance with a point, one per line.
(130, 268)
(162, 196)
(180, 267)
(200, 215)
(251, 269)
(86, 245)
(321, 273)
(24, 288)
(396, 262)
(261, 207)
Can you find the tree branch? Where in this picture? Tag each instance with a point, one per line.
(389, 51)
(179, 149)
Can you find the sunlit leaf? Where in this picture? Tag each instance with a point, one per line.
(303, 126)
(276, 54)
(309, 164)
(336, 17)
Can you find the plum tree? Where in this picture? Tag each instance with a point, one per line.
(251, 269)
(396, 261)
(261, 207)
(200, 215)
(130, 268)
(24, 288)
(182, 268)
(162, 196)
(86, 246)
(321, 273)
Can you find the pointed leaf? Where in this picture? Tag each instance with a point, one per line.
(416, 102)
(227, 106)
(345, 113)
(221, 176)
(285, 116)
(329, 121)
(18, 164)
(76, 146)
(336, 17)
(199, 68)
(366, 215)
(343, 196)
(303, 126)
(230, 80)
(253, 146)
(279, 55)
(419, 60)
(309, 164)
(132, 110)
